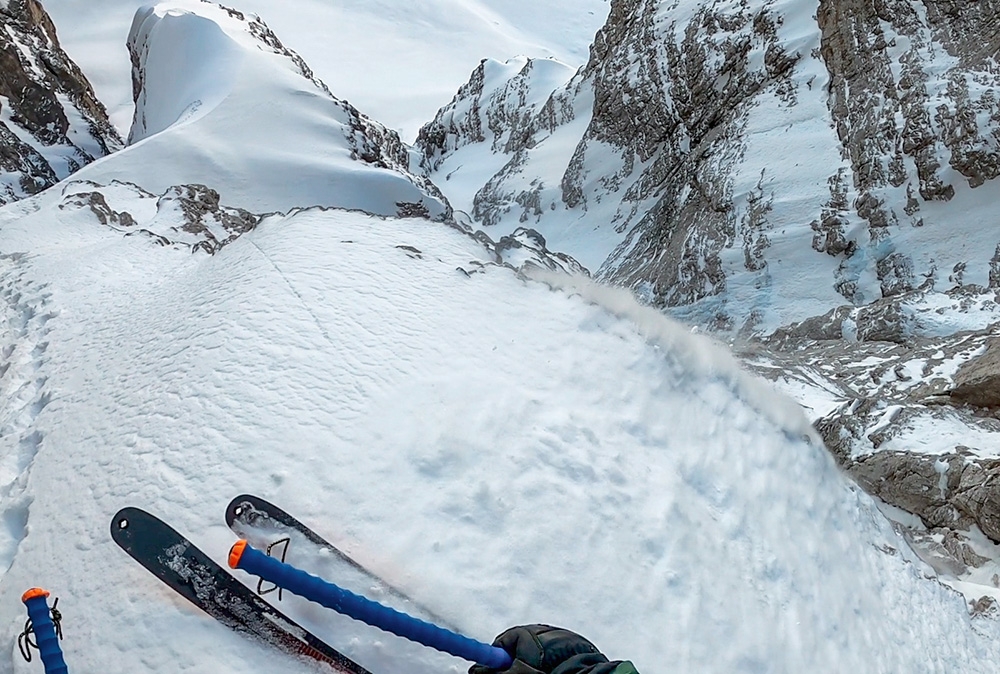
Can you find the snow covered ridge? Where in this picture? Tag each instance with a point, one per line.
(718, 149)
(51, 123)
(192, 218)
(221, 102)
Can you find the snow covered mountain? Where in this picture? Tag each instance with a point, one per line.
(51, 123)
(758, 163)
(397, 61)
(213, 73)
(486, 431)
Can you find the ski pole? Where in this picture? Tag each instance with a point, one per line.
(244, 556)
(40, 621)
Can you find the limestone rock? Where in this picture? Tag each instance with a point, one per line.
(189, 217)
(51, 123)
(977, 382)
(884, 113)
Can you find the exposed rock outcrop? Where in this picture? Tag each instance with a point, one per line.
(51, 123)
(912, 420)
(523, 250)
(186, 216)
(977, 382)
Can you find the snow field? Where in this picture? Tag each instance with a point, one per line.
(503, 452)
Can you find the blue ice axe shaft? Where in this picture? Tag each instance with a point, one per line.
(45, 631)
(244, 556)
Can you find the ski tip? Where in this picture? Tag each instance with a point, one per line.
(122, 519)
(236, 508)
(34, 593)
(236, 553)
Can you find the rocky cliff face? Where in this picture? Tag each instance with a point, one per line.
(51, 123)
(725, 146)
(913, 99)
(501, 113)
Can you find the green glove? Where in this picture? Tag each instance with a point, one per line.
(543, 649)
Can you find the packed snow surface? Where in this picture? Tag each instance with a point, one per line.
(492, 445)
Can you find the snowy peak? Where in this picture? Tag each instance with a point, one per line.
(51, 123)
(499, 105)
(221, 102)
(171, 86)
(213, 35)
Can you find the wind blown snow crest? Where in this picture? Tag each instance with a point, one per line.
(222, 102)
(701, 353)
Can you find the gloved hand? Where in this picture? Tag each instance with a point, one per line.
(542, 649)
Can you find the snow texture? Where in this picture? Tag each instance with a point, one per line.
(489, 444)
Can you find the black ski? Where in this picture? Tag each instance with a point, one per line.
(191, 573)
(261, 522)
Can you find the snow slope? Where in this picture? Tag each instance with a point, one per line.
(396, 60)
(492, 445)
(222, 102)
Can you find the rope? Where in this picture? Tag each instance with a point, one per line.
(260, 582)
(24, 641)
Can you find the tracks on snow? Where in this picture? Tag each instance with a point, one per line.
(24, 316)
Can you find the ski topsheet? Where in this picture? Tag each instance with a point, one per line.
(262, 523)
(191, 573)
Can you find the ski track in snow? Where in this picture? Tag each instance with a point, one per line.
(23, 395)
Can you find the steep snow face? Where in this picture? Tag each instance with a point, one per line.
(748, 161)
(221, 102)
(490, 444)
(51, 124)
(184, 66)
(490, 441)
(396, 60)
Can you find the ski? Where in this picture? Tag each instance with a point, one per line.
(262, 523)
(192, 574)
